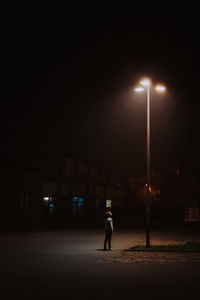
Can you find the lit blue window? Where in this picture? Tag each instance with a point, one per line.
(48, 202)
(77, 205)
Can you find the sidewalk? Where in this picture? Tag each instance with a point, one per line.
(158, 257)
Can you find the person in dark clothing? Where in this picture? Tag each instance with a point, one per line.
(108, 230)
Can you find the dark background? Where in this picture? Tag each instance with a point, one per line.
(68, 88)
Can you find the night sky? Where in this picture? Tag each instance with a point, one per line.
(68, 88)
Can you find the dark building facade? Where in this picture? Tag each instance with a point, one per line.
(62, 190)
(75, 191)
(174, 195)
(20, 197)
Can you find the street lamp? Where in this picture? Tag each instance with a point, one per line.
(146, 86)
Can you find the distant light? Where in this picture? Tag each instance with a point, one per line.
(145, 82)
(139, 89)
(160, 88)
(150, 189)
(108, 203)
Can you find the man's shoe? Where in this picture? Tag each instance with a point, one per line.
(111, 249)
(105, 249)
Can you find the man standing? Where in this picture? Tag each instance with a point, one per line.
(108, 230)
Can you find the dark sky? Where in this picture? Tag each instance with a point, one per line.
(68, 88)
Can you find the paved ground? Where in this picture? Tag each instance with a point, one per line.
(70, 264)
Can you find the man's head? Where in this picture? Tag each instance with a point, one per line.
(108, 214)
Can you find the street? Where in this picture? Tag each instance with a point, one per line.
(70, 264)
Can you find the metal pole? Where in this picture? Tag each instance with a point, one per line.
(148, 172)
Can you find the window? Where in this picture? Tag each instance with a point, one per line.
(49, 188)
(99, 190)
(48, 202)
(69, 167)
(98, 203)
(94, 173)
(64, 188)
(109, 193)
(82, 170)
(78, 188)
(112, 179)
(118, 194)
(77, 205)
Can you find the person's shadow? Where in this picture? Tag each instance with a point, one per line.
(100, 250)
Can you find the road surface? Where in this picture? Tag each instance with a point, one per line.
(70, 264)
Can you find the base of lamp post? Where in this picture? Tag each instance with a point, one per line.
(147, 237)
(148, 226)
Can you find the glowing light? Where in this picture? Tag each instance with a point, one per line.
(150, 189)
(139, 89)
(160, 88)
(108, 203)
(145, 82)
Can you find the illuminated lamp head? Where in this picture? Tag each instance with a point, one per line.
(160, 88)
(146, 82)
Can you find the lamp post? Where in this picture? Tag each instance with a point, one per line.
(146, 86)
